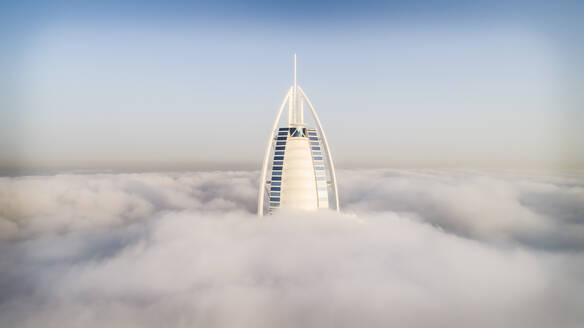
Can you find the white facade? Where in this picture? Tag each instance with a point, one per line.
(298, 189)
(298, 170)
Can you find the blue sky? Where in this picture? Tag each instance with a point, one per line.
(475, 84)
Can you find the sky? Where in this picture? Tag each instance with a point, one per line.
(414, 248)
(192, 84)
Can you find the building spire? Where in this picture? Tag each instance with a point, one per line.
(294, 72)
(295, 115)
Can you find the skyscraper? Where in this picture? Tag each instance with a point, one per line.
(298, 170)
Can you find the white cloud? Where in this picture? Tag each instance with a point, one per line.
(412, 249)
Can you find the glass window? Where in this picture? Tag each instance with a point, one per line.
(282, 138)
(276, 183)
(275, 189)
(283, 133)
(281, 143)
(274, 199)
(279, 153)
(280, 148)
(295, 132)
(318, 158)
(319, 168)
(278, 158)
(275, 204)
(278, 163)
(277, 168)
(313, 138)
(276, 179)
(312, 134)
(277, 194)
(283, 129)
(315, 143)
(277, 173)
(315, 148)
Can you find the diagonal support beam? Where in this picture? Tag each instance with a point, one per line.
(262, 188)
(326, 146)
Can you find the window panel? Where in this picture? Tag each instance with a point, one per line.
(278, 158)
(279, 153)
(281, 148)
(315, 148)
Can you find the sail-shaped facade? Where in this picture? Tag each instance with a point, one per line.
(298, 170)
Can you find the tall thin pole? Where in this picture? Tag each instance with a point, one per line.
(294, 97)
(294, 72)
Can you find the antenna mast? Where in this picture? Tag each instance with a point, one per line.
(295, 115)
(294, 73)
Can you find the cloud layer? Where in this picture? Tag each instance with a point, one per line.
(411, 248)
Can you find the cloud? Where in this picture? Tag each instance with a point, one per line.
(411, 248)
(534, 209)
